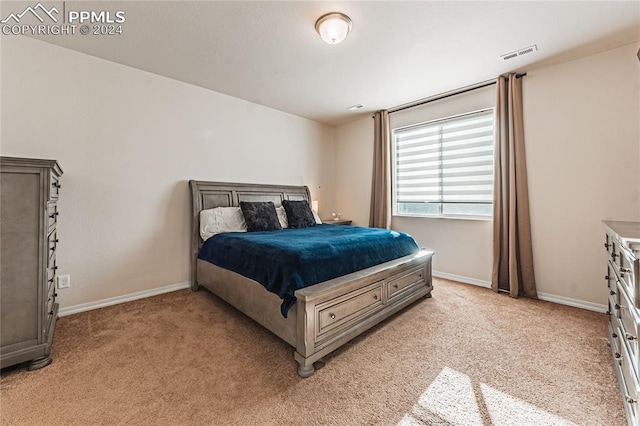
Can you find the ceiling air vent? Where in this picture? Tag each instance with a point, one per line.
(355, 107)
(520, 52)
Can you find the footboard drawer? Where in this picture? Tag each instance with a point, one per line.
(340, 313)
(397, 286)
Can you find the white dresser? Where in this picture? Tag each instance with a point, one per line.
(623, 269)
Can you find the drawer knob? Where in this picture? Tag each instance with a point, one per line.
(608, 313)
(332, 316)
(614, 255)
(375, 296)
(611, 292)
(51, 280)
(606, 277)
(54, 268)
(618, 306)
(625, 270)
(395, 286)
(630, 336)
(607, 245)
(614, 335)
(618, 355)
(53, 215)
(56, 185)
(631, 400)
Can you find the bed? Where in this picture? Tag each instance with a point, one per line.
(325, 315)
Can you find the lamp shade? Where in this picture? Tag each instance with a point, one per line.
(333, 27)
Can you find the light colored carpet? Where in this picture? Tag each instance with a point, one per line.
(467, 356)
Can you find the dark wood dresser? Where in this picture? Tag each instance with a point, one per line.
(28, 237)
(623, 281)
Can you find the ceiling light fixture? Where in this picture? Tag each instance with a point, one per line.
(333, 27)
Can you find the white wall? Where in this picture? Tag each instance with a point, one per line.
(354, 165)
(583, 142)
(582, 123)
(128, 142)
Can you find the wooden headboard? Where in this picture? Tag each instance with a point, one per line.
(207, 195)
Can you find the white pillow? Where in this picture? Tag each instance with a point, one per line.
(282, 217)
(221, 219)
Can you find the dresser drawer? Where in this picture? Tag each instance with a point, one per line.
(614, 250)
(51, 317)
(52, 241)
(52, 214)
(608, 243)
(623, 261)
(51, 274)
(51, 299)
(397, 286)
(613, 337)
(629, 327)
(611, 279)
(51, 291)
(340, 313)
(630, 387)
(54, 189)
(614, 306)
(612, 289)
(628, 273)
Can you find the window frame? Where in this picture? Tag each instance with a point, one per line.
(394, 178)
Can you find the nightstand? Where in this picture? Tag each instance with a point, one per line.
(336, 222)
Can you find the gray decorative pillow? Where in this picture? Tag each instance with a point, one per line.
(260, 216)
(299, 214)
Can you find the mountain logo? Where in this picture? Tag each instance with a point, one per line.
(39, 8)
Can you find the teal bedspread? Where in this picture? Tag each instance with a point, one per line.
(287, 260)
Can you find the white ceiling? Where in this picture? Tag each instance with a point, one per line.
(268, 52)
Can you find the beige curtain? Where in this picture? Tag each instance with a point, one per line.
(512, 252)
(380, 212)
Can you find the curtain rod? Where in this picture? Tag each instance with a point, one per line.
(446, 94)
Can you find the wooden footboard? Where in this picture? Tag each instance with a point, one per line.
(334, 312)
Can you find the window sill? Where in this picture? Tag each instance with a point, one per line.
(473, 218)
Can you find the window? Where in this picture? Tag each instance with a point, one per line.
(445, 167)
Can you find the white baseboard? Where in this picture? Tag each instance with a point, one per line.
(577, 303)
(590, 306)
(69, 310)
(461, 279)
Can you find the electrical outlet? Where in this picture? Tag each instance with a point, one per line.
(64, 281)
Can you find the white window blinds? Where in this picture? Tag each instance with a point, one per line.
(445, 167)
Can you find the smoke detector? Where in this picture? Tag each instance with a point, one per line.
(520, 52)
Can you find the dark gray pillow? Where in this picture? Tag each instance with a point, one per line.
(260, 216)
(299, 214)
